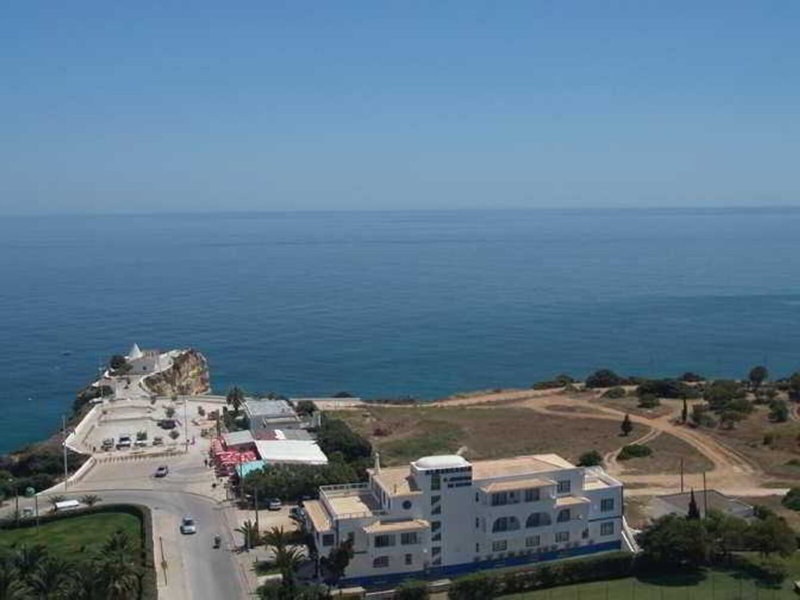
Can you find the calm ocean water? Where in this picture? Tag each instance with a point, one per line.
(422, 303)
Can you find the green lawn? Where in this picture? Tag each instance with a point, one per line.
(713, 585)
(71, 534)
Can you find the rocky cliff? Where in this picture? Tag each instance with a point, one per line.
(188, 375)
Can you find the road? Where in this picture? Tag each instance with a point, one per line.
(195, 569)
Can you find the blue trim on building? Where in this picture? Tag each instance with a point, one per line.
(390, 579)
(610, 518)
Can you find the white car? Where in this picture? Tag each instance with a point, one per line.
(188, 526)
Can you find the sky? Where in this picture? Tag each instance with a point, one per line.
(117, 107)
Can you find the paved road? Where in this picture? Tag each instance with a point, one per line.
(195, 569)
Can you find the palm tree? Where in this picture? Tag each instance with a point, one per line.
(51, 578)
(12, 586)
(118, 542)
(120, 577)
(276, 538)
(90, 499)
(235, 398)
(28, 558)
(288, 561)
(250, 533)
(56, 499)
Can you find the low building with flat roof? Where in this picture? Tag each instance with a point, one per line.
(270, 414)
(443, 516)
(678, 504)
(290, 452)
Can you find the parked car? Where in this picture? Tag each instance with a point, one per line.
(158, 441)
(167, 424)
(296, 512)
(124, 442)
(274, 504)
(107, 444)
(162, 471)
(188, 526)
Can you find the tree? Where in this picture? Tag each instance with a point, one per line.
(90, 499)
(726, 533)
(673, 541)
(288, 561)
(778, 411)
(235, 398)
(770, 535)
(604, 378)
(729, 418)
(590, 459)
(338, 559)
(626, 426)
(250, 533)
(757, 376)
(792, 499)
(684, 412)
(614, 392)
(305, 408)
(649, 401)
(51, 578)
(691, 377)
(694, 512)
(412, 590)
(276, 538)
(56, 499)
(794, 387)
(720, 393)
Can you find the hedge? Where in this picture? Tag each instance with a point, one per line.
(491, 584)
(149, 587)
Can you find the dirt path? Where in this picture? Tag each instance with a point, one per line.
(732, 472)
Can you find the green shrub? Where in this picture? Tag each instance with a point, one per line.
(478, 586)
(649, 401)
(412, 590)
(604, 378)
(590, 459)
(614, 392)
(792, 499)
(634, 451)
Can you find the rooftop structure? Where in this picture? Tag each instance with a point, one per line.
(291, 452)
(238, 438)
(442, 516)
(270, 414)
(679, 504)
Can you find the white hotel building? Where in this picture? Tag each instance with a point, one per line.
(443, 516)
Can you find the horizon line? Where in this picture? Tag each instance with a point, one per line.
(300, 211)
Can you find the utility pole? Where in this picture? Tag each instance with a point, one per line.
(681, 474)
(705, 496)
(64, 444)
(255, 497)
(185, 423)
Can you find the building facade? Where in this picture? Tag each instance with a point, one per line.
(444, 516)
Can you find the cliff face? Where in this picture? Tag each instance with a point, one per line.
(188, 375)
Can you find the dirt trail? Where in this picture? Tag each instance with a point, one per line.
(732, 471)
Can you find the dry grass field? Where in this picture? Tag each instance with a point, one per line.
(666, 458)
(404, 434)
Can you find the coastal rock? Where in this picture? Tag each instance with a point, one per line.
(187, 376)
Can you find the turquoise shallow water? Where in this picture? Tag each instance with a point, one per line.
(422, 303)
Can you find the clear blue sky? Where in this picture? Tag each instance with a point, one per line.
(147, 106)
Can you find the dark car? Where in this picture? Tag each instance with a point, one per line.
(167, 424)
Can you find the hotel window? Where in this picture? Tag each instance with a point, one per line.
(607, 528)
(409, 558)
(505, 524)
(477, 522)
(409, 538)
(564, 486)
(477, 548)
(538, 520)
(383, 541)
(563, 516)
(499, 545)
(500, 499)
(380, 562)
(513, 497)
(477, 497)
(562, 536)
(607, 504)
(532, 541)
(327, 539)
(532, 495)
(436, 483)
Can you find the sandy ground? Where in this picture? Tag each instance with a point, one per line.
(732, 472)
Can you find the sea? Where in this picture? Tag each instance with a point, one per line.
(384, 304)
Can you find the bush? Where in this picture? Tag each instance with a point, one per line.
(649, 401)
(778, 411)
(721, 393)
(604, 378)
(474, 587)
(667, 388)
(590, 459)
(792, 499)
(412, 590)
(614, 392)
(634, 451)
(336, 436)
(691, 377)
